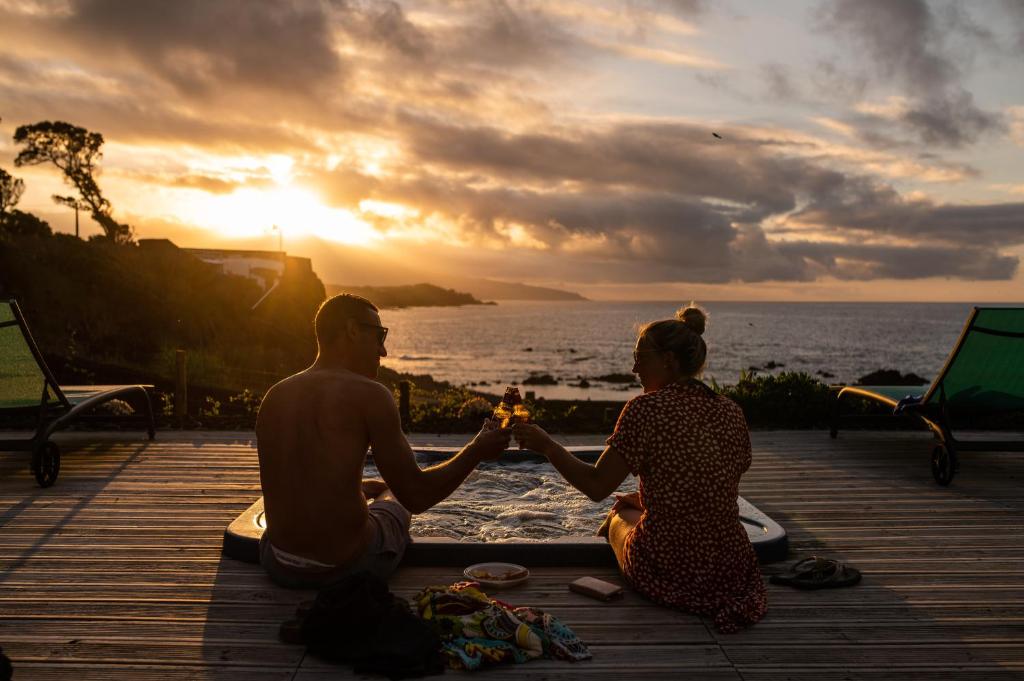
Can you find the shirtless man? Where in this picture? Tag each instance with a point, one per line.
(323, 519)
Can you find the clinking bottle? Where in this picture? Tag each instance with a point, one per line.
(511, 409)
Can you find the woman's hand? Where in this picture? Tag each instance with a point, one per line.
(628, 500)
(533, 437)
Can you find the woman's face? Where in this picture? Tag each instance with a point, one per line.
(652, 366)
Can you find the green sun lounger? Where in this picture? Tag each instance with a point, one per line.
(27, 387)
(984, 374)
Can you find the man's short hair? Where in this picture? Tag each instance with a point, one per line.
(330, 318)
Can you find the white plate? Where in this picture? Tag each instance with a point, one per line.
(496, 569)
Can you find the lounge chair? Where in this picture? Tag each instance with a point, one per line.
(27, 387)
(984, 374)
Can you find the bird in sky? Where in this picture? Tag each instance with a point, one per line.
(715, 134)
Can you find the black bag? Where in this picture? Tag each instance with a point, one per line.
(357, 620)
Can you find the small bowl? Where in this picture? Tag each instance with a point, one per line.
(493, 574)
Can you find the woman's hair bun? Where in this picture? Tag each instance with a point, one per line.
(694, 317)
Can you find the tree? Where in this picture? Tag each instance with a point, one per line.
(75, 151)
(18, 223)
(11, 189)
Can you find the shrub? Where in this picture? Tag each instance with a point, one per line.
(787, 400)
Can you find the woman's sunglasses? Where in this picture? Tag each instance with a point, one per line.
(637, 353)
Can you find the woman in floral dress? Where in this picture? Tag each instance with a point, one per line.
(678, 539)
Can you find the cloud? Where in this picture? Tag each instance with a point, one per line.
(870, 209)
(904, 42)
(1014, 11)
(642, 200)
(281, 45)
(686, 8)
(778, 82)
(1016, 116)
(865, 262)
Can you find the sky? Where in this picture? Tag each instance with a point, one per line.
(626, 149)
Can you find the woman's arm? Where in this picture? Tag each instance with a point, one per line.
(596, 481)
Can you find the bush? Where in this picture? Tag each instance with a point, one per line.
(787, 400)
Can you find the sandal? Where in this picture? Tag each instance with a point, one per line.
(818, 573)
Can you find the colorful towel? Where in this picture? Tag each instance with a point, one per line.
(476, 630)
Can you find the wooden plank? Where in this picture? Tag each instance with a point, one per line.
(53, 671)
(636, 658)
(939, 655)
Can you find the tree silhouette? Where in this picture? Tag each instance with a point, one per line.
(75, 151)
(11, 189)
(18, 223)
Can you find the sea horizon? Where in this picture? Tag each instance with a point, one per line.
(585, 346)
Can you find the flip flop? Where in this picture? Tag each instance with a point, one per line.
(818, 573)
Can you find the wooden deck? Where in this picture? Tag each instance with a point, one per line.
(116, 572)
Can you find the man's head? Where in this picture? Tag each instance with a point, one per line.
(348, 328)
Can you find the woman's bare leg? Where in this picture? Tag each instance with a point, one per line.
(622, 523)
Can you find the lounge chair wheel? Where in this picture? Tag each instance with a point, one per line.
(944, 464)
(46, 463)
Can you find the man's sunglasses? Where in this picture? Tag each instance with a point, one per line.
(382, 331)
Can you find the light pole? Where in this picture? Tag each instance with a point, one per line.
(280, 237)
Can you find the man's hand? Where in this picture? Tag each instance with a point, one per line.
(373, 488)
(533, 437)
(491, 441)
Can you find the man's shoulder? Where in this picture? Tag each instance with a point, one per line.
(326, 387)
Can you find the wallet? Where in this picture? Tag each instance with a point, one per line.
(595, 588)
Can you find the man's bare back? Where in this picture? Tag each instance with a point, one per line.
(312, 440)
(312, 434)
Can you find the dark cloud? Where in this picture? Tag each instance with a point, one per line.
(199, 45)
(502, 35)
(906, 45)
(390, 28)
(878, 210)
(850, 261)
(686, 8)
(32, 92)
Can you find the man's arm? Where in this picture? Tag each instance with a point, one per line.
(419, 489)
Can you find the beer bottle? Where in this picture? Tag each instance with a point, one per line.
(511, 409)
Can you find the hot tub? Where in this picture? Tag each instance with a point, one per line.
(516, 509)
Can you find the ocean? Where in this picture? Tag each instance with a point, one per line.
(487, 347)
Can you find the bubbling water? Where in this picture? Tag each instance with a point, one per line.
(512, 501)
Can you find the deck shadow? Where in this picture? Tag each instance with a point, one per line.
(69, 459)
(936, 596)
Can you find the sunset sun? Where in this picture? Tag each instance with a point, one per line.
(296, 211)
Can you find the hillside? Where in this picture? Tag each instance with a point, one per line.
(502, 290)
(416, 295)
(132, 307)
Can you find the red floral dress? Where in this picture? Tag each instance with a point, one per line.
(689, 446)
